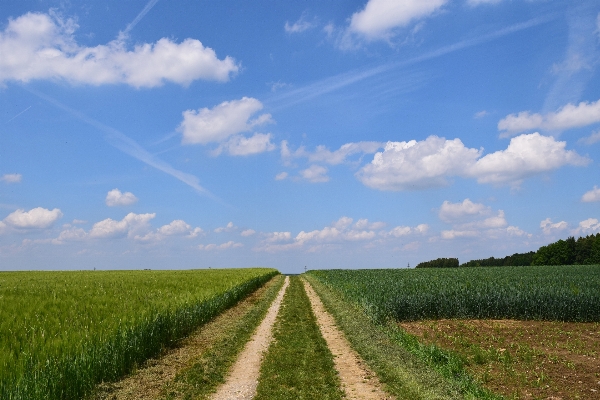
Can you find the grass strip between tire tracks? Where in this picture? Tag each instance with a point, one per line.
(298, 364)
(407, 368)
(225, 343)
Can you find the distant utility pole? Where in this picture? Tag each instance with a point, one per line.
(305, 269)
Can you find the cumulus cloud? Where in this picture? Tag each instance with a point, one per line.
(177, 227)
(315, 174)
(592, 195)
(222, 121)
(380, 17)
(450, 212)
(588, 227)
(36, 218)
(240, 145)
(344, 230)
(116, 198)
(129, 226)
(568, 117)
(11, 178)
(525, 156)
(299, 26)
(43, 46)
(548, 227)
(230, 227)
(470, 219)
(248, 232)
(228, 245)
(417, 165)
(480, 114)
(429, 163)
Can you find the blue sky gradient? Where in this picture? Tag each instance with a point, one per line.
(355, 134)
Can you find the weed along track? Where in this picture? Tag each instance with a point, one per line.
(358, 381)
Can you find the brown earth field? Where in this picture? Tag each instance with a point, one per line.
(522, 359)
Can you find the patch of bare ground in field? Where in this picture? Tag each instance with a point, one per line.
(522, 359)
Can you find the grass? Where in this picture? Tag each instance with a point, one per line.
(222, 343)
(61, 333)
(407, 368)
(298, 364)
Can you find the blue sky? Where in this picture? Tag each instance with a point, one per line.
(350, 134)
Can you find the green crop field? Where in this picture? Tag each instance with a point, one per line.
(560, 293)
(61, 333)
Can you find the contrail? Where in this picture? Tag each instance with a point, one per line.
(130, 146)
(340, 81)
(139, 17)
(19, 114)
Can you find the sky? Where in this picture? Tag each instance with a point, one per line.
(320, 134)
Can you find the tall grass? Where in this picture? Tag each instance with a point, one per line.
(560, 293)
(61, 333)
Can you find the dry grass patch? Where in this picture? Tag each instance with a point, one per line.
(522, 359)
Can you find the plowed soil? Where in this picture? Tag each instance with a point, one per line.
(523, 359)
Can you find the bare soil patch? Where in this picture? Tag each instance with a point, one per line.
(523, 359)
(358, 381)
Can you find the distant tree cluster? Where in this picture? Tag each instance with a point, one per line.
(439, 263)
(583, 251)
(516, 260)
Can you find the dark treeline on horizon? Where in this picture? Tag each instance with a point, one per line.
(581, 251)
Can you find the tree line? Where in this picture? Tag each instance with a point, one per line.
(580, 251)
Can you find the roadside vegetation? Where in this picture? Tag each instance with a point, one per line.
(298, 364)
(408, 369)
(61, 333)
(219, 345)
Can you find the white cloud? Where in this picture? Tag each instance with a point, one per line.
(42, 46)
(341, 231)
(526, 155)
(230, 227)
(222, 121)
(591, 196)
(417, 165)
(177, 227)
(429, 163)
(364, 223)
(315, 174)
(299, 26)
(480, 114)
(228, 245)
(401, 231)
(590, 140)
(567, 117)
(453, 234)
(248, 232)
(129, 226)
(548, 227)
(324, 155)
(587, 227)
(281, 176)
(116, 198)
(450, 212)
(240, 145)
(380, 17)
(36, 218)
(11, 178)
